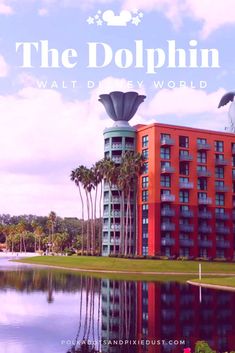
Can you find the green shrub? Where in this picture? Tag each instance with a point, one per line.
(203, 347)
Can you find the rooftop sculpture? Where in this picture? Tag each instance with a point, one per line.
(121, 106)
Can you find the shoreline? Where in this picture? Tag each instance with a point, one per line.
(212, 286)
(128, 272)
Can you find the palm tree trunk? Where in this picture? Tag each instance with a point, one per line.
(130, 225)
(20, 243)
(126, 227)
(24, 243)
(88, 222)
(100, 225)
(136, 218)
(95, 204)
(99, 317)
(92, 223)
(122, 247)
(82, 202)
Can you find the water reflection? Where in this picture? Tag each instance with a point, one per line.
(50, 311)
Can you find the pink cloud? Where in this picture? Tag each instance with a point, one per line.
(4, 67)
(213, 14)
(5, 9)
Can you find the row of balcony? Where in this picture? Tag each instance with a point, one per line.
(115, 199)
(190, 243)
(171, 198)
(188, 228)
(166, 141)
(115, 226)
(119, 146)
(201, 146)
(201, 200)
(168, 212)
(200, 173)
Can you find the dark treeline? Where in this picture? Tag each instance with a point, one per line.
(42, 233)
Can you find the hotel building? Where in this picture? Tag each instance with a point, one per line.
(186, 193)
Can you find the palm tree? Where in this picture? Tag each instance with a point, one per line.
(110, 170)
(77, 177)
(98, 179)
(130, 170)
(21, 229)
(34, 227)
(39, 233)
(52, 222)
(87, 182)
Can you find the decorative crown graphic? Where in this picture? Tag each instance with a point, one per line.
(110, 19)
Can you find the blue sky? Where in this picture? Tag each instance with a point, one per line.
(47, 132)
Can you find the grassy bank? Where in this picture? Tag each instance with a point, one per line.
(97, 264)
(225, 281)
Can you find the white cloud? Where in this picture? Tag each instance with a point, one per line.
(43, 137)
(5, 8)
(84, 4)
(4, 67)
(192, 107)
(183, 101)
(43, 12)
(213, 14)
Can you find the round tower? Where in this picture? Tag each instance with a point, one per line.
(118, 139)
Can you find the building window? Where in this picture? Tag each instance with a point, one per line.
(201, 168)
(220, 210)
(165, 164)
(219, 199)
(202, 141)
(165, 136)
(219, 157)
(145, 250)
(201, 157)
(219, 172)
(184, 179)
(145, 195)
(184, 168)
(145, 154)
(219, 146)
(184, 208)
(145, 168)
(165, 192)
(145, 220)
(166, 181)
(202, 195)
(145, 235)
(233, 160)
(145, 182)
(184, 141)
(145, 141)
(202, 184)
(184, 152)
(219, 183)
(145, 207)
(184, 196)
(165, 153)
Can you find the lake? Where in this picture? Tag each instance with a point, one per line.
(53, 311)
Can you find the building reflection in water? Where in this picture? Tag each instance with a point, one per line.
(167, 312)
(109, 310)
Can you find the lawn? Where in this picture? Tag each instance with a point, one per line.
(225, 281)
(130, 265)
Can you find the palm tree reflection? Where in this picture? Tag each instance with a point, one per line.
(106, 313)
